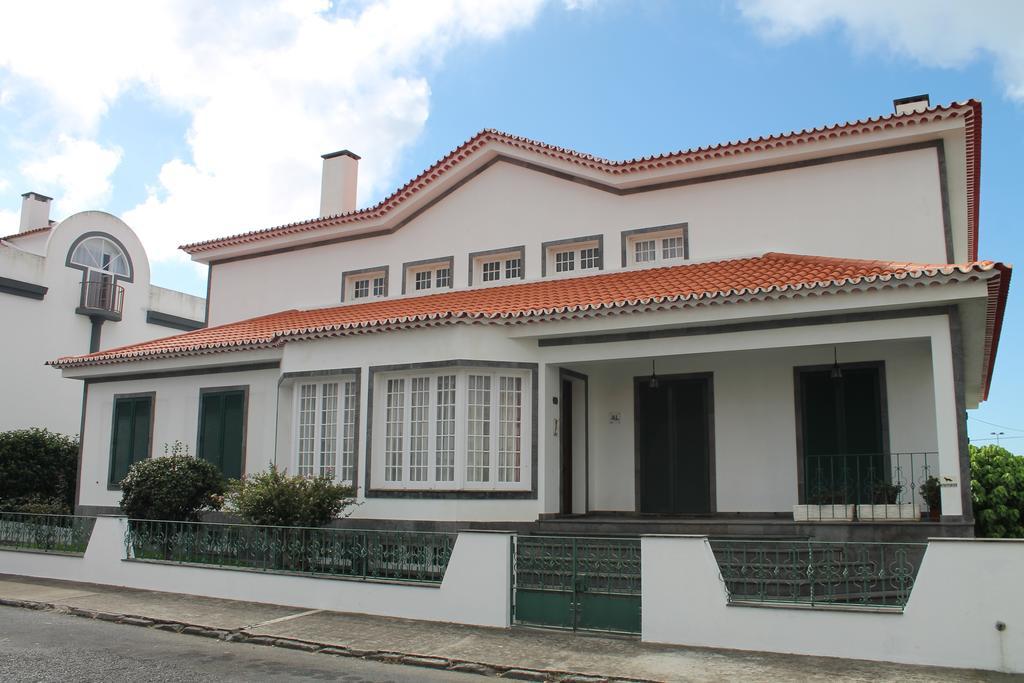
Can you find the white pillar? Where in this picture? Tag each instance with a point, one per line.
(946, 434)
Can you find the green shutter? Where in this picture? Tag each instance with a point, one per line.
(130, 439)
(222, 430)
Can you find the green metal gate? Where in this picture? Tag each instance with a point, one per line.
(577, 583)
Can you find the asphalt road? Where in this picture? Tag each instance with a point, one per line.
(43, 646)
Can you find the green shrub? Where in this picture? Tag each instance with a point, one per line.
(37, 467)
(997, 488)
(276, 499)
(173, 487)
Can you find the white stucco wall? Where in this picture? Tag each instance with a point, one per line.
(963, 588)
(877, 207)
(475, 589)
(176, 418)
(33, 395)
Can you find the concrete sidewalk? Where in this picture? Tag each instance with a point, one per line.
(524, 654)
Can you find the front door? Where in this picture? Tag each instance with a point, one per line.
(566, 447)
(673, 444)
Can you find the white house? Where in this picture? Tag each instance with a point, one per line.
(696, 340)
(73, 286)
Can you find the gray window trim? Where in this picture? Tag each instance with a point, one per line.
(629, 234)
(113, 424)
(20, 288)
(545, 247)
(448, 261)
(367, 271)
(455, 493)
(474, 255)
(85, 269)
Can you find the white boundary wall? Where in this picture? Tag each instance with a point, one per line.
(963, 588)
(475, 589)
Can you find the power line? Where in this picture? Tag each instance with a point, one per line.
(1003, 438)
(993, 424)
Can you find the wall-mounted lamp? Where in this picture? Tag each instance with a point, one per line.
(653, 383)
(837, 372)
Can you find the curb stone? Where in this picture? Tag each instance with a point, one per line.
(406, 659)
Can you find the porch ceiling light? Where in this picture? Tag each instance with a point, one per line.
(652, 383)
(837, 372)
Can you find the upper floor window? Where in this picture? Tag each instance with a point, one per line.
(565, 257)
(497, 266)
(365, 284)
(452, 428)
(101, 255)
(422, 276)
(666, 243)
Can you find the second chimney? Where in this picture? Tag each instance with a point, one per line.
(910, 105)
(338, 183)
(35, 211)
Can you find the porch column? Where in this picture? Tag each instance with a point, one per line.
(947, 436)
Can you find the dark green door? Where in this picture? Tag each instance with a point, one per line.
(673, 431)
(578, 583)
(222, 430)
(843, 435)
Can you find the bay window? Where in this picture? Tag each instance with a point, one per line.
(452, 428)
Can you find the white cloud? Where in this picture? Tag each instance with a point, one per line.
(936, 33)
(9, 222)
(78, 174)
(268, 87)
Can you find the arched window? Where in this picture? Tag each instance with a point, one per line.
(103, 255)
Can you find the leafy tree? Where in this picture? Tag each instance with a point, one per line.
(175, 487)
(273, 498)
(38, 471)
(997, 489)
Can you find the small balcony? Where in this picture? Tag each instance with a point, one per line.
(101, 299)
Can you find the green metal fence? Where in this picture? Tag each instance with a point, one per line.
(578, 582)
(868, 486)
(45, 533)
(351, 553)
(819, 573)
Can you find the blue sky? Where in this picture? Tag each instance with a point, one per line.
(191, 132)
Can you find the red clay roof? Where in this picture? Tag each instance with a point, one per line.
(767, 276)
(33, 231)
(970, 111)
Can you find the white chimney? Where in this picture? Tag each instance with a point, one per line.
(338, 185)
(911, 105)
(35, 211)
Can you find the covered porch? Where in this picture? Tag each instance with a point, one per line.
(839, 431)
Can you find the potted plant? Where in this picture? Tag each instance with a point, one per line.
(931, 493)
(825, 505)
(885, 505)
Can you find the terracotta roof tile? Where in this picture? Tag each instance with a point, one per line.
(970, 111)
(773, 274)
(26, 233)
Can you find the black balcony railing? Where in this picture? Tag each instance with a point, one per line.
(103, 297)
(871, 486)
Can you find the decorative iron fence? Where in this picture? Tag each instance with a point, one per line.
(413, 556)
(819, 573)
(45, 533)
(870, 486)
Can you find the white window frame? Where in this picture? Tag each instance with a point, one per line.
(460, 482)
(576, 250)
(659, 237)
(503, 259)
(433, 271)
(375, 279)
(346, 432)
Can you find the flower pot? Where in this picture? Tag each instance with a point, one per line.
(823, 513)
(891, 512)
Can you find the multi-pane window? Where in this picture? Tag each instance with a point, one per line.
(645, 250)
(325, 428)
(672, 247)
(565, 261)
(513, 268)
(443, 277)
(379, 286)
(490, 271)
(424, 280)
(590, 257)
(454, 429)
(361, 289)
(368, 285)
